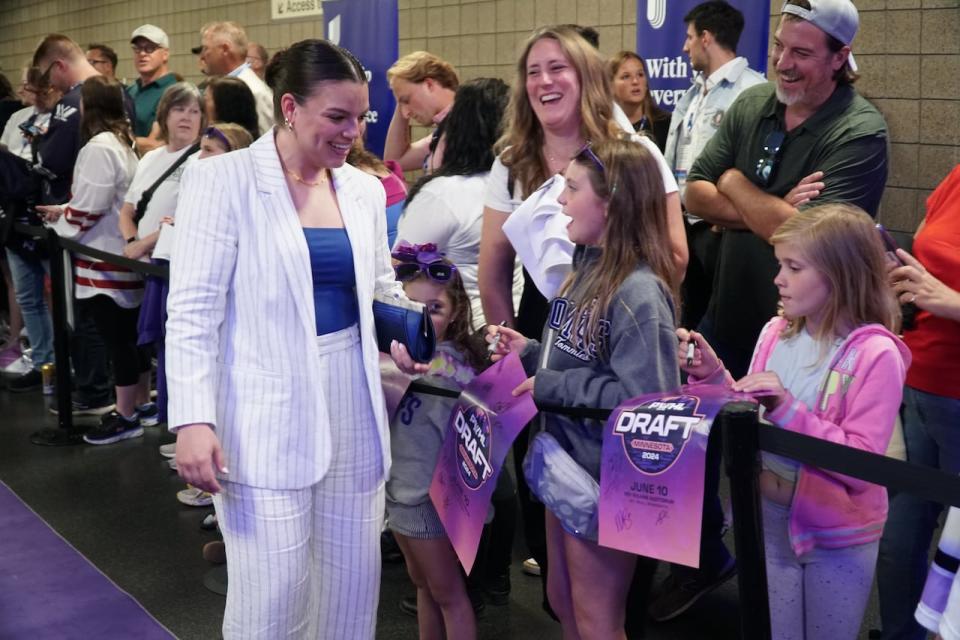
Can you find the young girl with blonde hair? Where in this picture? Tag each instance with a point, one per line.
(609, 337)
(830, 367)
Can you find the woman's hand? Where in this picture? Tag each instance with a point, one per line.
(705, 361)
(166, 220)
(502, 341)
(914, 284)
(401, 357)
(199, 457)
(50, 212)
(523, 387)
(765, 386)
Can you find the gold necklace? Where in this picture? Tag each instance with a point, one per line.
(299, 179)
(552, 158)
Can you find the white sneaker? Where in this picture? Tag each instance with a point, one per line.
(18, 367)
(530, 567)
(172, 463)
(168, 450)
(193, 497)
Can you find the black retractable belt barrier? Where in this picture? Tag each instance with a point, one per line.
(743, 439)
(56, 247)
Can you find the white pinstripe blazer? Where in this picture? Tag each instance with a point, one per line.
(241, 330)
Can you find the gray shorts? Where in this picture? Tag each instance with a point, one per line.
(418, 521)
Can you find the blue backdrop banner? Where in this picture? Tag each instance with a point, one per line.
(368, 28)
(661, 32)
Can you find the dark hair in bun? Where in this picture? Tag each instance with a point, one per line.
(300, 68)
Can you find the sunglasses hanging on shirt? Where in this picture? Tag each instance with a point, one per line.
(767, 164)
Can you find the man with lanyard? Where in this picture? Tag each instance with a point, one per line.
(807, 136)
(713, 31)
(151, 50)
(223, 52)
(65, 67)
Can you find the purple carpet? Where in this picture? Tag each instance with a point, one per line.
(48, 590)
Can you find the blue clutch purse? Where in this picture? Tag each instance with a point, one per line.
(406, 322)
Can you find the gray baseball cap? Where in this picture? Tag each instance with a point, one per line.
(838, 18)
(156, 35)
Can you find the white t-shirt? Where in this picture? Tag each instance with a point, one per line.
(498, 195)
(801, 363)
(13, 138)
(448, 211)
(164, 201)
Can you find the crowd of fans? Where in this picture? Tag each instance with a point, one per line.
(739, 226)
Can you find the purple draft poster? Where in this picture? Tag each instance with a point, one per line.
(651, 479)
(661, 32)
(483, 424)
(370, 30)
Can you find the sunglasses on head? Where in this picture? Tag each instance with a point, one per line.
(767, 165)
(412, 260)
(586, 152)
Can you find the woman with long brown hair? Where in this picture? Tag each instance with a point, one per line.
(110, 294)
(561, 100)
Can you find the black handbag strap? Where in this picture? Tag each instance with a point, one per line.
(148, 193)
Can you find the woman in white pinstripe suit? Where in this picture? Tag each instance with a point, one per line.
(272, 356)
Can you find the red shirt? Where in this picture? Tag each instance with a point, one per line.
(935, 342)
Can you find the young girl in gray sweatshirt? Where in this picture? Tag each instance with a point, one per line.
(610, 336)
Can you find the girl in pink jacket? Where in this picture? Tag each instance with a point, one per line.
(828, 367)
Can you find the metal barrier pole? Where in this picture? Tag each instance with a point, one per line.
(740, 448)
(65, 434)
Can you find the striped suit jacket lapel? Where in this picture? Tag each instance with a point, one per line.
(284, 226)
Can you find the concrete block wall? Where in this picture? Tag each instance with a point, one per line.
(908, 51)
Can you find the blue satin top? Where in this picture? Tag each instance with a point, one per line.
(334, 281)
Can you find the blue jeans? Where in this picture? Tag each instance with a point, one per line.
(931, 430)
(28, 286)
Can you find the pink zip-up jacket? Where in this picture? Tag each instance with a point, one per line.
(857, 405)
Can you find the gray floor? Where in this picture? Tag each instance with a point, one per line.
(116, 505)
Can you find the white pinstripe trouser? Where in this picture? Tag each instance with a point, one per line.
(306, 563)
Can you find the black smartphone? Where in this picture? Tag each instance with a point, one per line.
(889, 244)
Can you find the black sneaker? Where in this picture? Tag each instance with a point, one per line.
(29, 381)
(497, 590)
(114, 428)
(676, 595)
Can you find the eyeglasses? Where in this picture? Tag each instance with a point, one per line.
(587, 152)
(767, 165)
(213, 132)
(421, 258)
(95, 61)
(144, 48)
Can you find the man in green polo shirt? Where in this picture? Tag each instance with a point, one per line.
(806, 138)
(151, 50)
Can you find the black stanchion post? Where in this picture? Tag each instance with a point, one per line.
(65, 434)
(740, 448)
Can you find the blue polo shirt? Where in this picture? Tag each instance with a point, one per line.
(146, 98)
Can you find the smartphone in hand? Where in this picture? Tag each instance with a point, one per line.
(889, 244)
